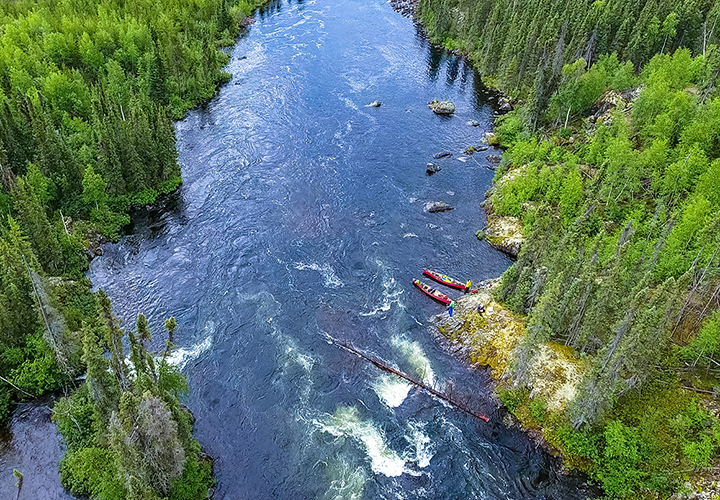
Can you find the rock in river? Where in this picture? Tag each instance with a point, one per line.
(473, 123)
(374, 104)
(493, 158)
(432, 168)
(444, 154)
(437, 206)
(441, 107)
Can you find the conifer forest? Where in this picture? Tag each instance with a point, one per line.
(611, 163)
(88, 96)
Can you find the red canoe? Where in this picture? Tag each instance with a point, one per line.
(430, 291)
(446, 280)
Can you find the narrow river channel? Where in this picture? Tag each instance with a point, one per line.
(302, 219)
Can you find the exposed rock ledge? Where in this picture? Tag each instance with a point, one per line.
(504, 233)
(490, 339)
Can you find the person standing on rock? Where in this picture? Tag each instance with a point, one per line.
(450, 308)
(481, 309)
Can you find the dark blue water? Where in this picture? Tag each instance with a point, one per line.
(302, 219)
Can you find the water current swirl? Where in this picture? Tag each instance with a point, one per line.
(302, 217)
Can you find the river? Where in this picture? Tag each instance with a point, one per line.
(302, 220)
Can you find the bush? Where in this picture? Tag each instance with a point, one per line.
(512, 398)
(194, 482)
(74, 417)
(92, 472)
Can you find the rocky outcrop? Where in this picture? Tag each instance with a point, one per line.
(432, 168)
(444, 154)
(504, 233)
(489, 339)
(505, 105)
(442, 107)
(437, 206)
(612, 100)
(494, 158)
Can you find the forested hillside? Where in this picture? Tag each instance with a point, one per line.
(88, 94)
(612, 165)
(520, 46)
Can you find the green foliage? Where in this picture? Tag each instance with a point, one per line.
(129, 419)
(38, 373)
(620, 257)
(87, 96)
(537, 410)
(74, 417)
(512, 398)
(705, 347)
(92, 472)
(194, 482)
(563, 55)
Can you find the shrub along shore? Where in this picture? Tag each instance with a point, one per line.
(88, 95)
(611, 166)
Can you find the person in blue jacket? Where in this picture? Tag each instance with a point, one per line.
(450, 308)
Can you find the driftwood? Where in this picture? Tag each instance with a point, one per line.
(385, 367)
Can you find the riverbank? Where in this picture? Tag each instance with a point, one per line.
(667, 420)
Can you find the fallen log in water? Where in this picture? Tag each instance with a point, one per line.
(385, 367)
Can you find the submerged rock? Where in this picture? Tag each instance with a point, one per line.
(437, 206)
(441, 107)
(493, 158)
(444, 154)
(374, 104)
(473, 123)
(432, 168)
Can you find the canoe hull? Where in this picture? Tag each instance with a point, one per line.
(432, 293)
(445, 280)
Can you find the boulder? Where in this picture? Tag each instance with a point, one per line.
(432, 168)
(444, 154)
(441, 107)
(493, 158)
(473, 123)
(437, 206)
(505, 104)
(374, 104)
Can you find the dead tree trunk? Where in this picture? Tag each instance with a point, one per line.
(385, 367)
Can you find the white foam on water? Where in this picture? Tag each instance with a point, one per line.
(410, 235)
(331, 279)
(346, 482)
(391, 389)
(415, 355)
(391, 292)
(347, 422)
(293, 355)
(422, 447)
(180, 357)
